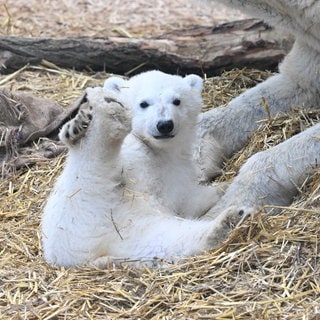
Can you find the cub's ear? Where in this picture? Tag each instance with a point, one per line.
(114, 84)
(194, 81)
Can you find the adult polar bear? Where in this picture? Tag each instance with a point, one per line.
(96, 214)
(269, 177)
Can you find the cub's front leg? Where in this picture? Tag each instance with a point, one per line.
(75, 225)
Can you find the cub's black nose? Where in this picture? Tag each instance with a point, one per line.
(165, 127)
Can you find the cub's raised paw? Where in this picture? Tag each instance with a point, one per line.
(76, 128)
(110, 112)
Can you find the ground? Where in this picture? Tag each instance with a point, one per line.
(101, 18)
(267, 269)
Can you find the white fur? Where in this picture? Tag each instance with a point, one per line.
(122, 201)
(225, 130)
(92, 218)
(272, 177)
(297, 84)
(164, 168)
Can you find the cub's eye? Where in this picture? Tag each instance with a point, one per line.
(144, 104)
(176, 102)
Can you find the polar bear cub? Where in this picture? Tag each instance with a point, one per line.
(92, 218)
(157, 154)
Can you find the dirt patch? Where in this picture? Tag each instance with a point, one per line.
(66, 18)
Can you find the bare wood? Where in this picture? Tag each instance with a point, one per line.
(201, 50)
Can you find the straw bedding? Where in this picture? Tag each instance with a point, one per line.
(267, 269)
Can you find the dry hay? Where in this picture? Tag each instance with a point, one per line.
(267, 269)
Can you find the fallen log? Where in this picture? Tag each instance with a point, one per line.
(201, 50)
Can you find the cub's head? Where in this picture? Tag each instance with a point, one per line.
(163, 106)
